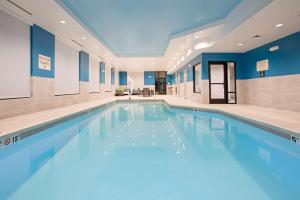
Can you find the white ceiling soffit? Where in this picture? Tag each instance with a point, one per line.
(263, 23)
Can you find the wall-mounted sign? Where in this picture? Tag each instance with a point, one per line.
(44, 62)
(262, 65)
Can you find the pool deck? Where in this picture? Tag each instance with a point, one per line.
(282, 119)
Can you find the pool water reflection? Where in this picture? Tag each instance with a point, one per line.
(149, 151)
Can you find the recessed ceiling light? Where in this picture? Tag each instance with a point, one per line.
(189, 52)
(62, 21)
(84, 38)
(196, 36)
(178, 62)
(279, 25)
(182, 58)
(256, 37)
(203, 45)
(240, 44)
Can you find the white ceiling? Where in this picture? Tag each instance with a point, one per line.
(238, 27)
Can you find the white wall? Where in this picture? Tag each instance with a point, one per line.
(138, 79)
(15, 57)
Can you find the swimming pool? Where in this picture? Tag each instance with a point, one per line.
(148, 150)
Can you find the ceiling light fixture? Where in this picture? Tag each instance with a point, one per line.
(196, 36)
(189, 52)
(240, 44)
(84, 38)
(203, 45)
(256, 37)
(62, 21)
(279, 25)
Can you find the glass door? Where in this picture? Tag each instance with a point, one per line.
(231, 82)
(217, 83)
(222, 82)
(161, 82)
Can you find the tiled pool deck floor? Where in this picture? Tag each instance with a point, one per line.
(281, 119)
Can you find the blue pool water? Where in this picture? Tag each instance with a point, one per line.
(147, 151)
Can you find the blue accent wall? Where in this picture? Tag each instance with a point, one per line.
(112, 76)
(285, 61)
(83, 66)
(237, 57)
(122, 78)
(174, 78)
(149, 78)
(102, 72)
(182, 76)
(42, 42)
(170, 79)
(190, 74)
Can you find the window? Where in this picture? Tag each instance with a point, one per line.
(112, 76)
(15, 57)
(197, 78)
(178, 78)
(231, 79)
(66, 69)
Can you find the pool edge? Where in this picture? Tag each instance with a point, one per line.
(20, 134)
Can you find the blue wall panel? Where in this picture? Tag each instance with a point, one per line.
(112, 76)
(149, 78)
(190, 74)
(285, 61)
(83, 66)
(173, 78)
(43, 43)
(170, 79)
(182, 76)
(102, 72)
(122, 78)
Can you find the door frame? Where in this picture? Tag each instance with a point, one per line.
(235, 92)
(225, 100)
